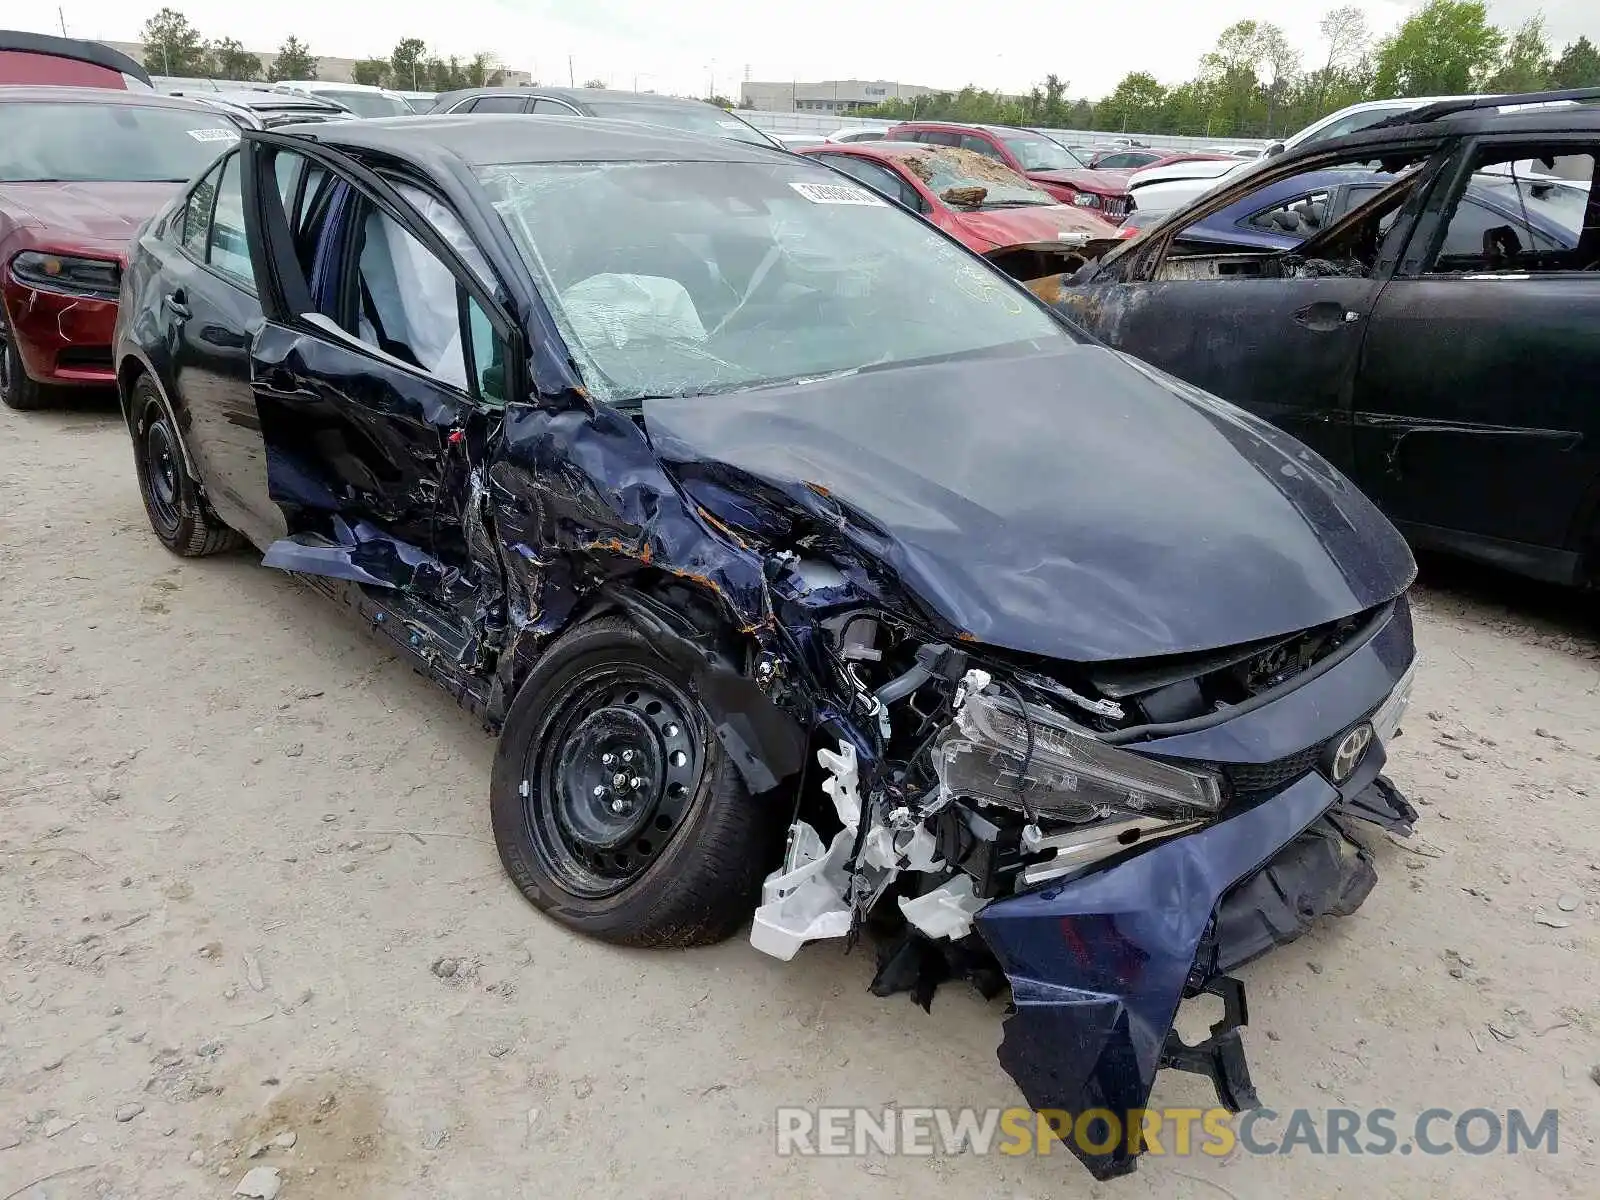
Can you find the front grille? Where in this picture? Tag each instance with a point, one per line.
(1247, 778)
(1117, 206)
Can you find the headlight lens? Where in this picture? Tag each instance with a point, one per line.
(67, 273)
(1071, 775)
(1086, 200)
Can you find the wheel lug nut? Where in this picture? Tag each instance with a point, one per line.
(600, 791)
(608, 758)
(635, 783)
(627, 756)
(618, 805)
(671, 731)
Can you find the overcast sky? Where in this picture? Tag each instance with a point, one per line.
(1006, 44)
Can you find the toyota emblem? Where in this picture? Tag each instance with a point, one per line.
(1349, 752)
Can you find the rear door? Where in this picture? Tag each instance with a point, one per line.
(379, 374)
(1476, 422)
(209, 312)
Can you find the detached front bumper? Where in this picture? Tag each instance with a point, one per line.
(1098, 965)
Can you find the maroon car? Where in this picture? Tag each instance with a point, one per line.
(81, 169)
(1045, 161)
(1118, 158)
(38, 58)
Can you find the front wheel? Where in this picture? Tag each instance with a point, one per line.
(178, 516)
(615, 808)
(17, 390)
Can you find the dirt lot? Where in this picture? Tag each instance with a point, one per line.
(247, 888)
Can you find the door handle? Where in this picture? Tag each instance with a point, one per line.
(1325, 316)
(177, 303)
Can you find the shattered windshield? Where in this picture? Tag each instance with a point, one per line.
(690, 118)
(963, 179)
(1038, 153)
(682, 278)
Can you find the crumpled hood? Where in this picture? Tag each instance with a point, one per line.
(1067, 503)
(1032, 226)
(1106, 183)
(86, 215)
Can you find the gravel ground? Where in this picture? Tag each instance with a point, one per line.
(247, 889)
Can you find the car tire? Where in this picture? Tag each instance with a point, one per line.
(682, 862)
(17, 390)
(179, 517)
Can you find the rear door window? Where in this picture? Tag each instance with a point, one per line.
(500, 104)
(197, 213)
(554, 108)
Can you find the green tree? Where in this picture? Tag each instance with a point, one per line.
(172, 46)
(231, 60)
(594, 83)
(1527, 63)
(1578, 66)
(371, 71)
(294, 61)
(1135, 103)
(408, 64)
(1448, 48)
(481, 69)
(720, 101)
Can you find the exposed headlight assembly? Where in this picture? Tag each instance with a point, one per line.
(67, 273)
(1086, 200)
(1069, 775)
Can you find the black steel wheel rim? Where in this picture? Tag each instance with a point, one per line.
(160, 461)
(609, 776)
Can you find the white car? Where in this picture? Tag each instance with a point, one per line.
(360, 98)
(798, 141)
(853, 133)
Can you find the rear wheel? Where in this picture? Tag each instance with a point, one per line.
(615, 808)
(178, 516)
(16, 389)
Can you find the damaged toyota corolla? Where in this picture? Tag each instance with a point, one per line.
(813, 573)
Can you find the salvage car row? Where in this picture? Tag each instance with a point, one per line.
(816, 575)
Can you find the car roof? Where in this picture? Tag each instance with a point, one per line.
(577, 95)
(92, 95)
(280, 101)
(488, 139)
(1581, 118)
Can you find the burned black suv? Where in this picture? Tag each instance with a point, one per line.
(815, 575)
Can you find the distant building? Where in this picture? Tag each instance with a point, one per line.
(331, 70)
(828, 96)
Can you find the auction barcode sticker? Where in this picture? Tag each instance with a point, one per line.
(214, 135)
(837, 193)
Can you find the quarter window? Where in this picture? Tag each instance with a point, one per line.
(226, 249)
(197, 213)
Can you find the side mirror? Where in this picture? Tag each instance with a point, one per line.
(1273, 150)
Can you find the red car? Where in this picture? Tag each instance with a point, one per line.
(1118, 158)
(1045, 161)
(81, 169)
(984, 205)
(38, 58)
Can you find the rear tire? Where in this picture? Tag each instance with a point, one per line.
(17, 390)
(671, 856)
(178, 515)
